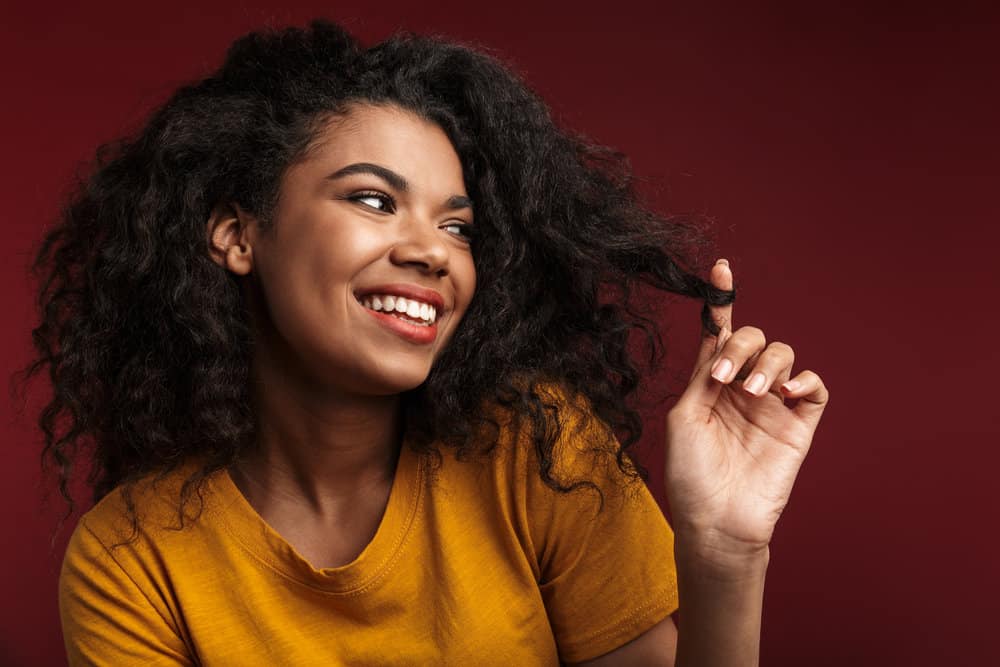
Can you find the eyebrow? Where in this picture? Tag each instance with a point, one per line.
(453, 203)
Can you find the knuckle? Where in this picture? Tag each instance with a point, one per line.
(810, 378)
(748, 339)
(753, 333)
(815, 383)
(782, 350)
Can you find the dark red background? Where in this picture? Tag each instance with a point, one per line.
(849, 157)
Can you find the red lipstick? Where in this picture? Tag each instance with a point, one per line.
(415, 333)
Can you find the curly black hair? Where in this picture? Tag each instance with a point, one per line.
(147, 340)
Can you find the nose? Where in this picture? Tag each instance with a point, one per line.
(422, 245)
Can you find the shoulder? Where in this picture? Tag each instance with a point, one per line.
(603, 551)
(559, 444)
(115, 599)
(157, 502)
(551, 474)
(131, 538)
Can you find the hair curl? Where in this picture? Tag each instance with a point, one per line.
(147, 340)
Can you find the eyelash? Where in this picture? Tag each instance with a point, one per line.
(468, 230)
(382, 197)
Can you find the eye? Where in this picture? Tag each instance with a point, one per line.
(376, 200)
(463, 230)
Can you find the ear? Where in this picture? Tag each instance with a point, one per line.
(229, 238)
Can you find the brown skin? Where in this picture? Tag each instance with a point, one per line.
(734, 449)
(327, 375)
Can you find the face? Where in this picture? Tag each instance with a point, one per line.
(375, 220)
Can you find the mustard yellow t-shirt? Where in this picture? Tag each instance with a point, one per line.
(483, 565)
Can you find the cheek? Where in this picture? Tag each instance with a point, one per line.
(310, 285)
(339, 257)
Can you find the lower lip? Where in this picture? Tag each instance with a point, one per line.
(415, 333)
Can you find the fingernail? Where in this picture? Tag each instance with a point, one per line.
(755, 385)
(723, 261)
(722, 369)
(791, 385)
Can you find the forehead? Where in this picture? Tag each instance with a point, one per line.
(392, 137)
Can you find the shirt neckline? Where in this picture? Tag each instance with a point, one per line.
(376, 560)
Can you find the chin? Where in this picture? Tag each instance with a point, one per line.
(397, 383)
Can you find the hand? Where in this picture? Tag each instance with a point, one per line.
(734, 447)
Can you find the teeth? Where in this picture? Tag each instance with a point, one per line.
(411, 308)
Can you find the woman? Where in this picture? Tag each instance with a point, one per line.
(342, 337)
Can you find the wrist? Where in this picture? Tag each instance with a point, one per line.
(718, 555)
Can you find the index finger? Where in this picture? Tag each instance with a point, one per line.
(721, 276)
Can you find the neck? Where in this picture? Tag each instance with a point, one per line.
(318, 449)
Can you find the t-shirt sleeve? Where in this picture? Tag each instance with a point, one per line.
(608, 576)
(107, 619)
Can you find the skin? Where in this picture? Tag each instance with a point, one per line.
(327, 379)
(327, 375)
(733, 451)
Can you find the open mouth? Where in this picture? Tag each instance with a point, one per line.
(411, 311)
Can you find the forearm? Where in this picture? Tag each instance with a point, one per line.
(721, 599)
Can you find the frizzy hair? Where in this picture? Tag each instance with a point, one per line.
(147, 340)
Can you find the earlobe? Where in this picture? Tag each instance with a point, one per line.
(228, 238)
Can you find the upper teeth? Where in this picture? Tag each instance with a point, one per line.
(410, 307)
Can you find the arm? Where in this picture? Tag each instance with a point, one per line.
(734, 448)
(736, 440)
(721, 619)
(722, 605)
(653, 648)
(604, 581)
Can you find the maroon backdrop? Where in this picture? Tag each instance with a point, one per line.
(847, 158)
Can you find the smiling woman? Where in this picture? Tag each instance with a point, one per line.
(334, 335)
(378, 206)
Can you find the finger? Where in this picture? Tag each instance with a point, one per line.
(738, 354)
(719, 369)
(744, 372)
(771, 368)
(703, 390)
(721, 276)
(812, 393)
